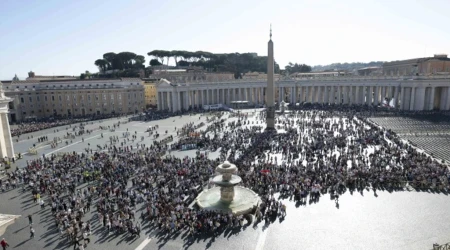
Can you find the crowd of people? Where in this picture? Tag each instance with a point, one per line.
(316, 151)
(33, 126)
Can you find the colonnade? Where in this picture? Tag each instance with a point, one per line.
(402, 95)
(6, 144)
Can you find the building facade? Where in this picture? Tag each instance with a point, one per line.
(414, 93)
(182, 76)
(150, 93)
(36, 99)
(439, 64)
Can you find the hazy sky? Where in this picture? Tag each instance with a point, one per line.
(66, 37)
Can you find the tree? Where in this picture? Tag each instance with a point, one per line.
(121, 61)
(183, 63)
(297, 68)
(176, 54)
(139, 62)
(109, 57)
(155, 62)
(159, 54)
(102, 64)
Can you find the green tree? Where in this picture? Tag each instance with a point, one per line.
(110, 57)
(297, 68)
(160, 54)
(155, 62)
(102, 64)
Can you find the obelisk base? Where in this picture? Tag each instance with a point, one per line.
(270, 119)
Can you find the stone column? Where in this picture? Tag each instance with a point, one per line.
(344, 95)
(338, 94)
(159, 101)
(375, 95)
(447, 94)
(173, 101)
(308, 94)
(412, 105)
(170, 101)
(6, 143)
(218, 99)
(431, 104)
(301, 94)
(291, 93)
(202, 97)
(402, 104)
(179, 100)
(334, 94)
(320, 95)
(396, 96)
(366, 95)
(326, 98)
(352, 95)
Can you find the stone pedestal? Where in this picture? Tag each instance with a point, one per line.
(227, 194)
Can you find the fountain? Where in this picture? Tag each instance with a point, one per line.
(227, 197)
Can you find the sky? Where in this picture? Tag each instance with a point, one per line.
(59, 37)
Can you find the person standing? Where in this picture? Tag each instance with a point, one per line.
(30, 219)
(86, 238)
(31, 232)
(75, 242)
(4, 244)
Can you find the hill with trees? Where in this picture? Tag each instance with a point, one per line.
(346, 66)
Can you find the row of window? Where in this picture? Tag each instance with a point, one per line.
(97, 97)
(76, 104)
(70, 111)
(54, 86)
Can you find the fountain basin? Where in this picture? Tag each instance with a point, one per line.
(234, 180)
(244, 201)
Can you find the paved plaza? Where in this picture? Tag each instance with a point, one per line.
(405, 219)
(429, 132)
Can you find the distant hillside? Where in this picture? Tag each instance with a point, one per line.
(346, 66)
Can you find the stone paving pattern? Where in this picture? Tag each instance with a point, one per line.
(399, 220)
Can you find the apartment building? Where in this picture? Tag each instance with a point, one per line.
(36, 98)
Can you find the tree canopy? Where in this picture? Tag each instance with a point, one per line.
(297, 68)
(121, 61)
(347, 66)
(236, 63)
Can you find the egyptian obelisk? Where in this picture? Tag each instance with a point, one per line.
(270, 98)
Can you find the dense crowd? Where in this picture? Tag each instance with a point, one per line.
(315, 152)
(33, 126)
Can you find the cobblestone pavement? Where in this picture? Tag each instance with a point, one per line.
(399, 220)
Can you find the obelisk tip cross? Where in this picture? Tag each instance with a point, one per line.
(270, 31)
